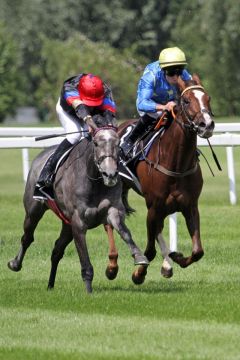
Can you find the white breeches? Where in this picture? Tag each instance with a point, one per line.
(71, 124)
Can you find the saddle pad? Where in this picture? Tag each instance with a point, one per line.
(46, 194)
(140, 151)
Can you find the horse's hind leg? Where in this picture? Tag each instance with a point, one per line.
(58, 251)
(112, 268)
(193, 224)
(166, 269)
(32, 218)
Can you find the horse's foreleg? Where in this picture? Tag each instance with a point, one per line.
(117, 221)
(153, 228)
(30, 223)
(60, 245)
(112, 268)
(79, 236)
(193, 225)
(166, 269)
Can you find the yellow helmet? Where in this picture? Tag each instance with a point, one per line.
(171, 57)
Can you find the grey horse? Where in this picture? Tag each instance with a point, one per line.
(87, 190)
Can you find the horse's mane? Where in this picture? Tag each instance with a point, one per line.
(184, 84)
(102, 121)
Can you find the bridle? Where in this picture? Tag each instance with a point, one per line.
(189, 120)
(99, 161)
(186, 123)
(103, 157)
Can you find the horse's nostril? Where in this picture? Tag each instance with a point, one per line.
(202, 124)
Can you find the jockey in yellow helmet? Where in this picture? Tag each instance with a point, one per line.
(157, 91)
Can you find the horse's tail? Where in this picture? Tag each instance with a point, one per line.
(129, 210)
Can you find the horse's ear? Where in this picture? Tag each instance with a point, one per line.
(197, 79)
(181, 84)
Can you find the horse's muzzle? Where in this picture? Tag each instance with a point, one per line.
(205, 130)
(110, 180)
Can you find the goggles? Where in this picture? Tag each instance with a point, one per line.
(173, 72)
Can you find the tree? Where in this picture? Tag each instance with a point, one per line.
(10, 89)
(62, 59)
(209, 33)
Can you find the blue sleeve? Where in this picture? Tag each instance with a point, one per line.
(145, 92)
(185, 75)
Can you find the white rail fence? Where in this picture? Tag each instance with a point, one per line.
(225, 134)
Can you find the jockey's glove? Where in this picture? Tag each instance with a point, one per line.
(82, 111)
(110, 118)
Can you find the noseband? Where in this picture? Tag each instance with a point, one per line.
(190, 125)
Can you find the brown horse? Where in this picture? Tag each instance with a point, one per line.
(170, 176)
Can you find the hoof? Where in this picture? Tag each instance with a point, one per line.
(141, 260)
(111, 272)
(14, 266)
(50, 288)
(139, 278)
(178, 258)
(167, 273)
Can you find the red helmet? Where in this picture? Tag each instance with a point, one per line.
(91, 90)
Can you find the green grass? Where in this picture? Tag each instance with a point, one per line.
(194, 315)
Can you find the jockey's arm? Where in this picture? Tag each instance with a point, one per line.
(145, 103)
(145, 94)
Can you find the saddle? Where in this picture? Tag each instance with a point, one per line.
(141, 147)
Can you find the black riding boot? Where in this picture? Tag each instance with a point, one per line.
(139, 129)
(46, 175)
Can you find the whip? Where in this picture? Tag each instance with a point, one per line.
(45, 137)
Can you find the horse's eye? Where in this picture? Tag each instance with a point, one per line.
(95, 143)
(186, 101)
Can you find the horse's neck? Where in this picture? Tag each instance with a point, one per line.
(92, 169)
(178, 148)
(81, 159)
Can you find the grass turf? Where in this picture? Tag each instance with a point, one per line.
(194, 315)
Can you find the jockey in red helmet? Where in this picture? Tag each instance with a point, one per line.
(91, 90)
(82, 96)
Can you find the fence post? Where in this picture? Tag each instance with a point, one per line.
(231, 175)
(25, 162)
(173, 232)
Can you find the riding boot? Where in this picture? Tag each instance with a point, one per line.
(142, 125)
(46, 175)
